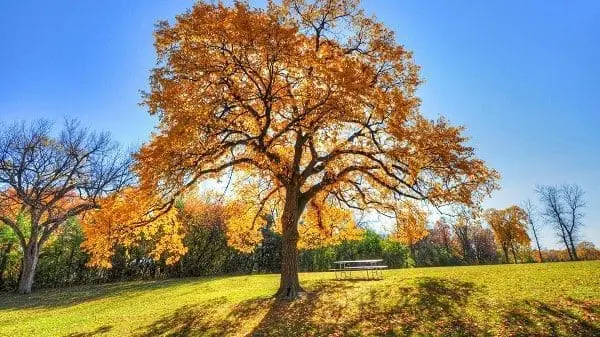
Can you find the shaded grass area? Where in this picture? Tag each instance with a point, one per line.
(561, 299)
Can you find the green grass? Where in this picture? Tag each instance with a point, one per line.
(550, 299)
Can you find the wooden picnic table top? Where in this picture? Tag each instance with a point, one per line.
(358, 261)
(365, 267)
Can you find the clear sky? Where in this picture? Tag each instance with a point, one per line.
(522, 76)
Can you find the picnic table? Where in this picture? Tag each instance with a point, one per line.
(372, 268)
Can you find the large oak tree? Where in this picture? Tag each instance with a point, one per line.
(312, 100)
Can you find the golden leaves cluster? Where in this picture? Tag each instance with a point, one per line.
(411, 223)
(325, 223)
(509, 225)
(243, 225)
(129, 218)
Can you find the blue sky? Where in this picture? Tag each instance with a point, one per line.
(522, 76)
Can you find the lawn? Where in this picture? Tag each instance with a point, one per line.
(550, 299)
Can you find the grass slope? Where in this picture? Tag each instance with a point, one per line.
(550, 299)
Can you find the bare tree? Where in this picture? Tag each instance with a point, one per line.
(49, 178)
(573, 197)
(563, 208)
(554, 212)
(535, 227)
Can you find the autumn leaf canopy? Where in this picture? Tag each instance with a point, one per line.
(312, 97)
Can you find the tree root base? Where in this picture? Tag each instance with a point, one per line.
(290, 293)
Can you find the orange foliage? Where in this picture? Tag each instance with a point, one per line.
(126, 219)
(509, 226)
(204, 210)
(243, 225)
(411, 223)
(323, 122)
(12, 205)
(324, 223)
(248, 89)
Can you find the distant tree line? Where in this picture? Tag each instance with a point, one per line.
(62, 261)
(448, 242)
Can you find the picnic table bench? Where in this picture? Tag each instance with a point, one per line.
(372, 268)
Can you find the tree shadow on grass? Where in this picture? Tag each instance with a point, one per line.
(333, 308)
(427, 307)
(55, 298)
(197, 320)
(432, 306)
(566, 318)
(100, 330)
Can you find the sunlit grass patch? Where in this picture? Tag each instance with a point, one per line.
(557, 299)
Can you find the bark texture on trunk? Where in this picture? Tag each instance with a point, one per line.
(537, 242)
(575, 257)
(289, 286)
(564, 237)
(30, 260)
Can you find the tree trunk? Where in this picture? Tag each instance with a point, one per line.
(505, 249)
(466, 251)
(540, 252)
(537, 242)
(564, 237)
(573, 247)
(30, 260)
(512, 247)
(289, 286)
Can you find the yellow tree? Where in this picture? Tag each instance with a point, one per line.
(313, 98)
(128, 218)
(411, 222)
(510, 228)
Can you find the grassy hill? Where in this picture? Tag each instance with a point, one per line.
(550, 299)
